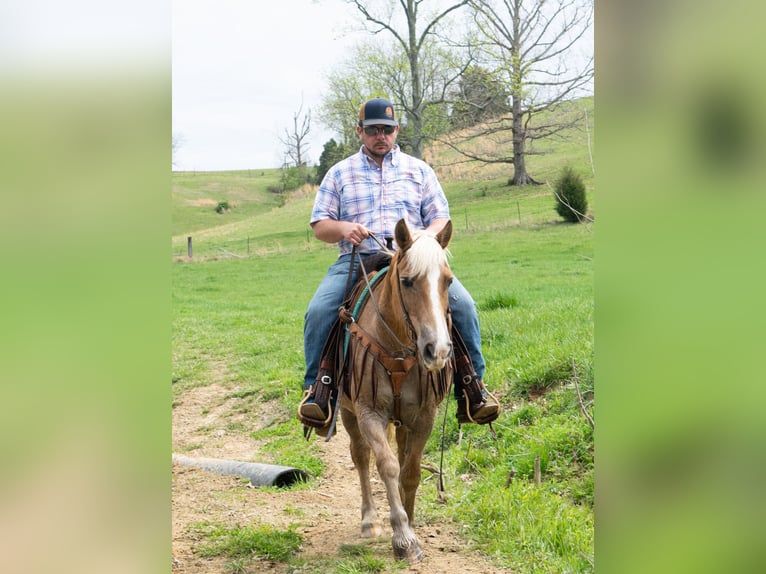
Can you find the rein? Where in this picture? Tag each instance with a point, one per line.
(404, 350)
(385, 248)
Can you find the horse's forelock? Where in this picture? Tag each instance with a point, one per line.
(424, 253)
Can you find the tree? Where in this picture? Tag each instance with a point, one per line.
(379, 69)
(413, 32)
(360, 77)
(331, 154)
(176, 142)
(481, 96)
(532, 44)
(296, 141)
(571, 202)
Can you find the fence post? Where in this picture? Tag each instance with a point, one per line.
(538, 474)
(189, 246)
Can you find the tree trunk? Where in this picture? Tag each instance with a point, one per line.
(417, 88)
(520, 175)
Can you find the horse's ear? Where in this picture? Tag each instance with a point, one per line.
(403, 236)
(444, 236)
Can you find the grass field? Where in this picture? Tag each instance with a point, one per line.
(240, 301)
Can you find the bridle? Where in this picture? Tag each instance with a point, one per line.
(404, 349)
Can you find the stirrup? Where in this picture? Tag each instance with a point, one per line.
(314, 422)
(464, 408)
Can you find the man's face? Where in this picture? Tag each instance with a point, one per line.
(376, 140)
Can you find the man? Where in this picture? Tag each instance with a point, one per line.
(366, 194)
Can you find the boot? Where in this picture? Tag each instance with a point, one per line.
(476, 405)
(314, 410)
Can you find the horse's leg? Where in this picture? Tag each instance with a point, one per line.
(360, 454)
(401, 449)
(401, 443)
(410, 470)
(404, 541)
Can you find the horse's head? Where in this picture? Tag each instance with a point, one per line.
(424, 278)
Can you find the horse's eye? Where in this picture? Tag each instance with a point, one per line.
(407, 282)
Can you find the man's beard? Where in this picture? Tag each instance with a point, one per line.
(376, 154)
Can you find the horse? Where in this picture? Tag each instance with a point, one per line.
(399, 370)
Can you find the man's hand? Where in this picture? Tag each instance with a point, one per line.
(332, 231)
(355, 233)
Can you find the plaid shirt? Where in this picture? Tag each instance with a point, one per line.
(357, 189)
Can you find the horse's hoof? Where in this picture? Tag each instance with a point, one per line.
(412, 554)
(371, 531)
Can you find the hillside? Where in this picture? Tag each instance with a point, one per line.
(262, 221)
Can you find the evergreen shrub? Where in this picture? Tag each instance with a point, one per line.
(571, 203)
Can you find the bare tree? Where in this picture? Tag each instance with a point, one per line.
(176, 142)
(532, 44)
(413, 30)
(296, 141)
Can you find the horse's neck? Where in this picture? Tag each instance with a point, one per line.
(386, 310)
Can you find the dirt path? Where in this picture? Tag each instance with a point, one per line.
(328, 514)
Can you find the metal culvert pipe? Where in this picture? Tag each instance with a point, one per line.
(259, 474)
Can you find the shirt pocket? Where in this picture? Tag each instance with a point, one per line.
(357, 201)
(405, 193)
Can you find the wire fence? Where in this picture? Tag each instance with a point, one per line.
(527, 211)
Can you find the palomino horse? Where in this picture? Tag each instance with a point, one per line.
(399, 370)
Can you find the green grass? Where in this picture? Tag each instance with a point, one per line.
(238, 321)
(365, 558)
(240, 546)
(359, 559)
(499, 301)
(258, 222)
(243, 542)
(197, 194)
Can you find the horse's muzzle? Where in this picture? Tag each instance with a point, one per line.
(436, 355)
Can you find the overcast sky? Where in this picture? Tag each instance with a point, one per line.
(240, 71)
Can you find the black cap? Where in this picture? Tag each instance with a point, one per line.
(377, 111)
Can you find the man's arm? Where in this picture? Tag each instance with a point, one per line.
(332, 231)
(437, 225)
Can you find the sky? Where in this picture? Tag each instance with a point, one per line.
(241, 70)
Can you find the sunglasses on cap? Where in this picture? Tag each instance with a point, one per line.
(375, 130)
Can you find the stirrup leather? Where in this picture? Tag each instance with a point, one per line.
(486, 408)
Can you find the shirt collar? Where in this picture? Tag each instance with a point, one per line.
(393, 154)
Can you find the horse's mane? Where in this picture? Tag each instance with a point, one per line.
(425, 253)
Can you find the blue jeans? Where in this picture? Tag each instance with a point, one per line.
(323, 310)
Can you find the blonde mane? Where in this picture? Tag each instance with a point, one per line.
(426, 254)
